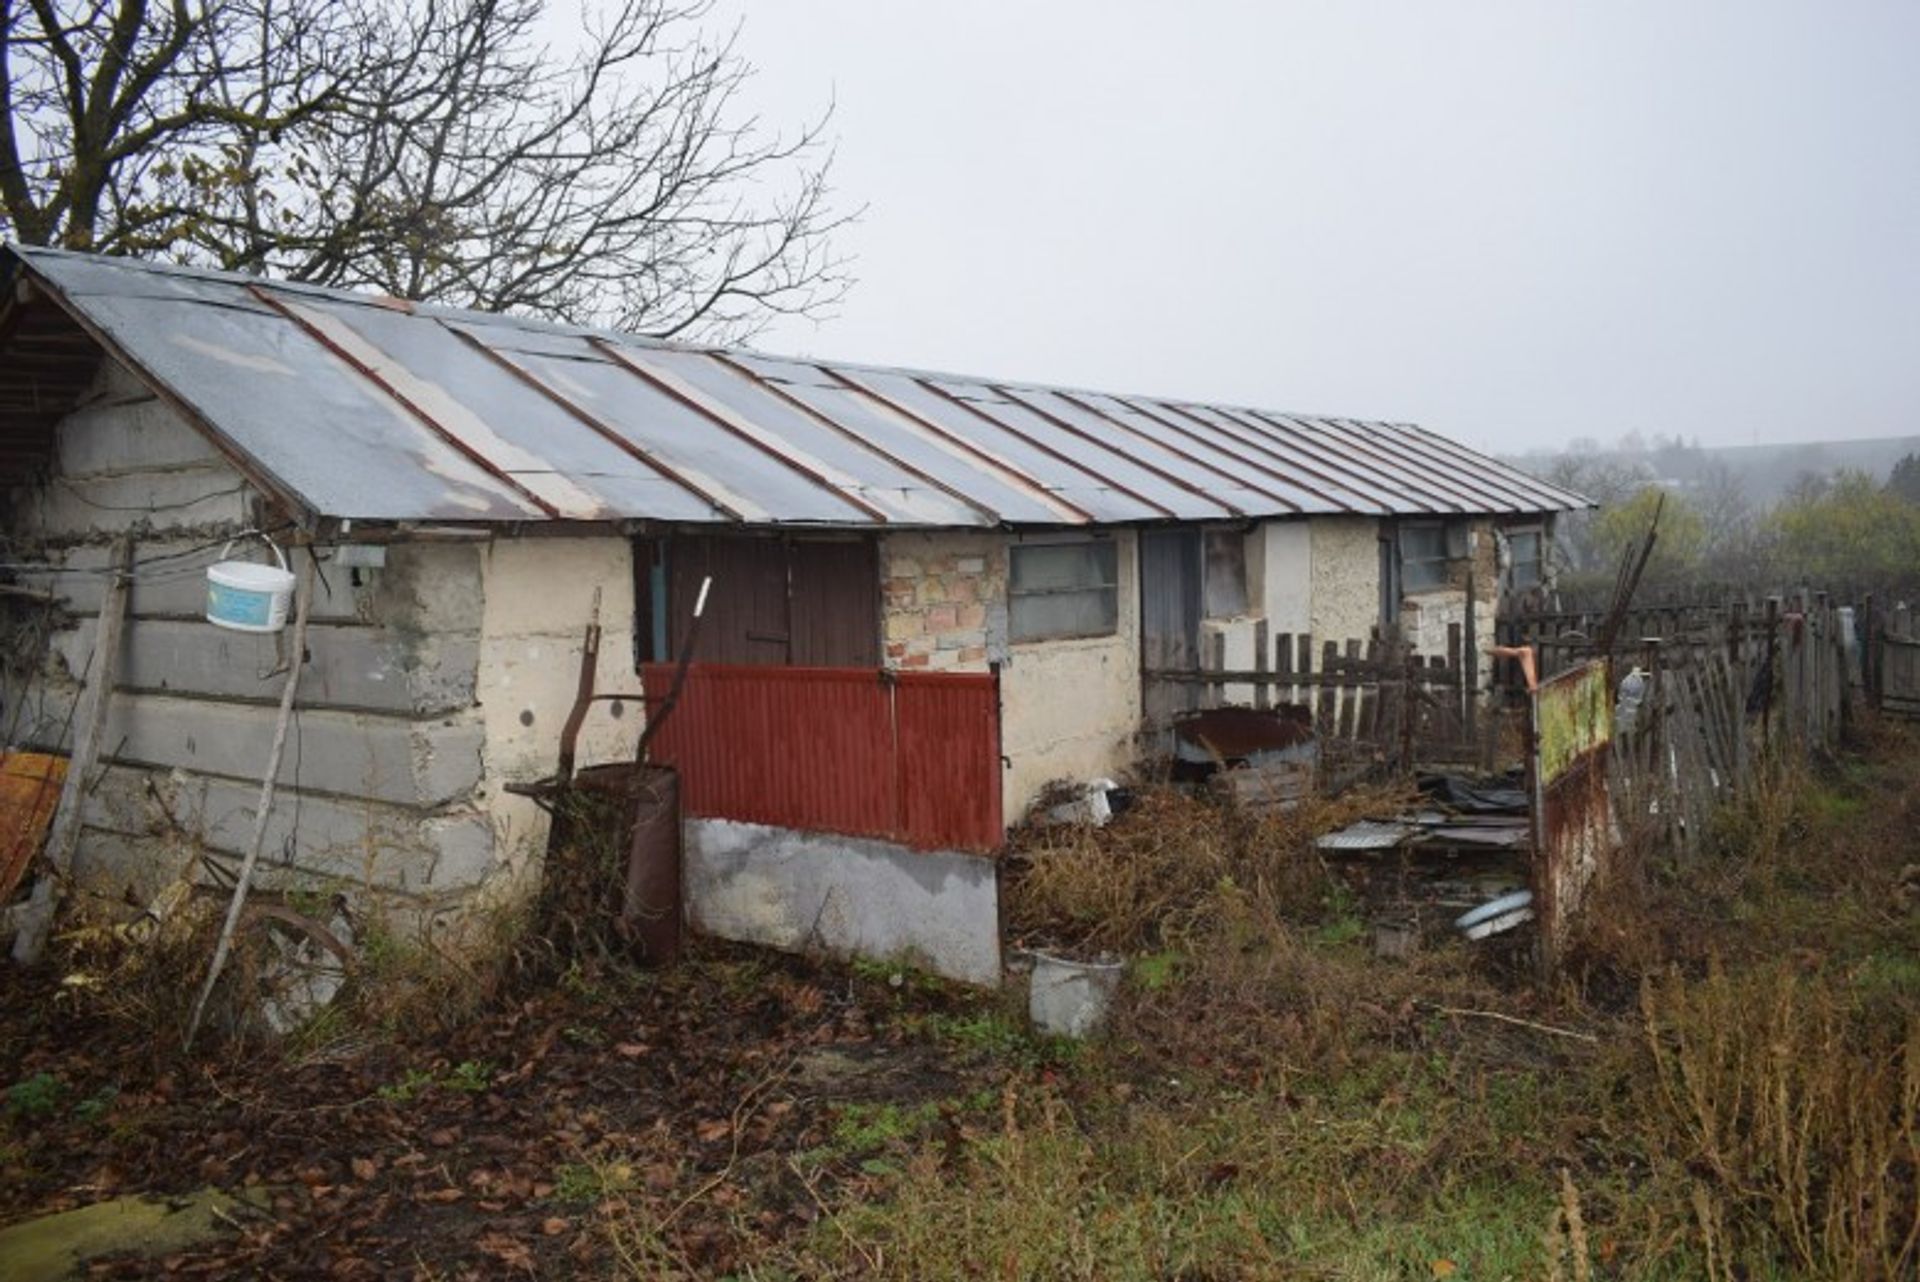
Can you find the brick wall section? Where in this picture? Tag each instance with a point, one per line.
(943, 600)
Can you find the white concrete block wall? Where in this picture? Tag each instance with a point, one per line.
(384, 762)
(1071, 709)
(539, 598)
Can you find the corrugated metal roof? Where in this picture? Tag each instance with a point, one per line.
(360, 407)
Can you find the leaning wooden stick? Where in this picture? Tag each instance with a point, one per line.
(36, 920)
(303, 591)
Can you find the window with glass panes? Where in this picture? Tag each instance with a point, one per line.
(1061, 590)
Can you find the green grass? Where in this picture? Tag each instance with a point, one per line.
(35, 1097)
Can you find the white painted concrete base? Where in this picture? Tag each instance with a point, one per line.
(848, 896)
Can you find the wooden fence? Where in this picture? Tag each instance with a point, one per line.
(1370, 700)
(1708, 693)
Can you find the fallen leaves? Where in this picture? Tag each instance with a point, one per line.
(675, 1099)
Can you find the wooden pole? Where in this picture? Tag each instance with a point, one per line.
(35, 922)
(303, 591)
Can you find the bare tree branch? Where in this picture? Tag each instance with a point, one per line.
(431, 149)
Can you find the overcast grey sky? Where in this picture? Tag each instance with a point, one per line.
(1515, 223)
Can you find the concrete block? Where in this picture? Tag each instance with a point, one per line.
(421, 763)
(801, 891)
(170, 581)
(527, 686)
(180, 499)
(385, 670)
(129, 436)
(326, 838)
(546, 586)
(428, 587)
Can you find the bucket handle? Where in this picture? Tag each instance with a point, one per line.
(278, 555)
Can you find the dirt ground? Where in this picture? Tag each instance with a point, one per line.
(1725, 1085)
(487, 1151)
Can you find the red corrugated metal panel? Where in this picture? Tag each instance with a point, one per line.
(948, 728)
(912, 758)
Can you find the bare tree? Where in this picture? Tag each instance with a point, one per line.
(436, 150)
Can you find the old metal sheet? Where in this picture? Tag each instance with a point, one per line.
(362, 407)
(30, 785)
(915, 758)
(1574, 835)
(830, 451)
(1195, 462)
(1356, 471)
(302, 414)
(905, 438)
(758, 487)
(1270, 474)
(1331, 488)
(522, 435)
(1125, 466)
(1366, 835)
(1076, 485)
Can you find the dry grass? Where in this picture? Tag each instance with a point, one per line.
(1794, 1124)
(1174, 869)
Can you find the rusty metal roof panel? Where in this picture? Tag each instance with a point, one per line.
(1330, 487)
(360, 407)
(300, 416)
(744, 481)
(1103, 455)
(819, 443)
(1082, 487)
(530, 437)
(1249, 489)
(906, 439)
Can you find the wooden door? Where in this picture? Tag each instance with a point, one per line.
(776, 600)
(1171, 596)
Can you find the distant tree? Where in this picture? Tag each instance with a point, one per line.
(1607, 480)
(1904, 480)
(431, 149)
(1852, 528)
(1682, 534)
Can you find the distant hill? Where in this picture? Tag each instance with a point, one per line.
(1766, 472)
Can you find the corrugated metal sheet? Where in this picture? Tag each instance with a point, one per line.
(1573, 817)
(913, 758)
(358, 407)
(947, 728)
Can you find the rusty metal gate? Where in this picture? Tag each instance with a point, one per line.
(908, 757)
(1573, 818)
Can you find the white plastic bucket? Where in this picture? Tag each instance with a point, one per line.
(247, 596)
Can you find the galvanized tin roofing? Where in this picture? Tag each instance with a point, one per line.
(359, 407)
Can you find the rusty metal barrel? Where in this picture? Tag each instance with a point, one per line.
(641, 805)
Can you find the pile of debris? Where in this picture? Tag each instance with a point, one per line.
(1461, 859)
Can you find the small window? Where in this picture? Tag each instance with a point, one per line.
(1226, 574)
(1525, 567)
(1061, 590)
(1423, 556)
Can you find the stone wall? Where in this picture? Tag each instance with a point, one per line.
(1345, 576)
(944, 600)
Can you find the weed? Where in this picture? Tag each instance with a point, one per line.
(861, 1128)
(410, 1087)
(94, 1107)
(585, 1183)
(469, 1076)
(35, 1097)
(989, 1032)
(1155, 971)
(1793, 1129)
